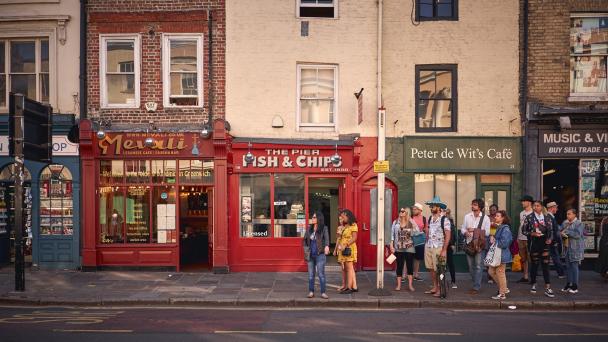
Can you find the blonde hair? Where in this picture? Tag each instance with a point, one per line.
(408, 213)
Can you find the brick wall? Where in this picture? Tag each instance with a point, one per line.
(549, 49)
(133, 16)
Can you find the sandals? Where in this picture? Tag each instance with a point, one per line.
(430, 292)
(310, 294)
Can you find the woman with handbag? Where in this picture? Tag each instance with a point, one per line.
(347, 249)
(316, 239)
(502, 239)
(402, 245)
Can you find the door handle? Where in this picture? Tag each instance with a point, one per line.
(365, 226)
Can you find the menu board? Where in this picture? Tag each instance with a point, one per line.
(165, 218)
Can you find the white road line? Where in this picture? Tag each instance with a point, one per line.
(253, 332)
(93, 331)
(582, 334)
(419, 333)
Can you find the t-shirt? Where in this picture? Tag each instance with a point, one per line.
(419, 219)
(436, 235)
(522, 218)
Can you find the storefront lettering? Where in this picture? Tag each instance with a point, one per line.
(165, 145)
(462, 153)
(579, 143)
(292, 158)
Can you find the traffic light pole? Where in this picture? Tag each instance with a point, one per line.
(18, 202)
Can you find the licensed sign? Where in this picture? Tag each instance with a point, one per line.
(573, 143)
(381, 166)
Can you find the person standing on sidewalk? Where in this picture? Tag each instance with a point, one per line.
(522, 239)
(347, 249)
(472, 222)
(601, 265)
(493, 227)
(539, 230)
(572, 229)
(317, 239)
(422, 224)
(402, 245)
(556, 246)
(438, 239)
(502, 238)
(452, 248)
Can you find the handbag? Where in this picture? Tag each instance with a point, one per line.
(493, 257)
(419, 239)
(478, 242)
(346, 251)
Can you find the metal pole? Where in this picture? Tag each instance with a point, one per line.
(19, 158)
(380, 245)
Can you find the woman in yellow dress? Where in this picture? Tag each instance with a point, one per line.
(348, 239)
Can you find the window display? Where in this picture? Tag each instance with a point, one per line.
(588, 49)
(288, 204)
(255, 205)
(56, 202)
(7, 205)
(593, 199)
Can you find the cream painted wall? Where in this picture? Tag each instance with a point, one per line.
(484, 44)
(64, 80)
(262, 51)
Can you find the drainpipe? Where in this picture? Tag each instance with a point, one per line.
(83, 59)
(211, 80)
(524, 98)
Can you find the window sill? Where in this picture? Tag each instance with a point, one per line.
(588, 98)
(317, 128)
(119, 107)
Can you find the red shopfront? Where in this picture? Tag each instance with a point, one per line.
(154, 204)
(274, 192)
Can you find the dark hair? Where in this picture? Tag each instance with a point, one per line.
(349, 215)
(320, 222)
(480, 203)
(539, 202)
(494, 206)
(572, 210)
(505, 217)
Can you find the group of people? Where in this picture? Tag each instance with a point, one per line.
(416, 238)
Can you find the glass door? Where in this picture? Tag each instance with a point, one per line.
(499, 195)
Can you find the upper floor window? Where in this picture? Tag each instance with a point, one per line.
(317, 9)
(588, 56)
(182, 70)
(120, 64)
(436, 98)
(24, 68)
(317, 96)
(436, 10)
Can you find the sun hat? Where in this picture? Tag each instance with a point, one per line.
(436, 201)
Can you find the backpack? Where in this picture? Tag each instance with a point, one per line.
(478, 243)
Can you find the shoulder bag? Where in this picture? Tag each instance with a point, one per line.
(479, 240)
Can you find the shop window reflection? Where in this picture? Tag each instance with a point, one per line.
(111, 214)
(288, 205)
(255, 205)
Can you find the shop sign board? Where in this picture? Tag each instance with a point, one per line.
(381, 166)
(61, 146)
(474, 154)
(291, 159)
(573, 143)
(170, 144)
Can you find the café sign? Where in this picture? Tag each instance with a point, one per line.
(179, 144)
(572, 143)
(291, 160)
(431, 154)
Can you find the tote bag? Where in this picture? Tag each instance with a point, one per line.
(493, 257)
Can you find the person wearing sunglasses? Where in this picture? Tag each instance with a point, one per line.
(402, 245)
(317, 239)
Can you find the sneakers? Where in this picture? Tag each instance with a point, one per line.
(490, 281)
(499, 297)
(324, 296)
(566, 288)
(417, 278)
(533, 289)
(573, 289)
(310, 295)
(454, 286)
(523, 281)
(549, 293)
(561, 276)
(507, 291)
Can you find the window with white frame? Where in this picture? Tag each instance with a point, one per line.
(24, 68)
(317, 8)
(588, 55)
(317, 95)
(183, 70)
(120, 65)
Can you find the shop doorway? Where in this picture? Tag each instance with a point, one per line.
(324, 196)
(560, 184)
(195, 227)
(497, 194)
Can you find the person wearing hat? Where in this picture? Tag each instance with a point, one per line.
(522, 240)
(438, 240)
(556, 246)
(420, 220)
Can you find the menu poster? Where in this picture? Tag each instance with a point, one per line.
(170, 210)
(301, 223)
(590, 243)
(162, 236)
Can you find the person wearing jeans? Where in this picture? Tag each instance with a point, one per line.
(470, 224)
(572, 229)
(556, 246)
(539, 230)
(317, 239)
(502, 238)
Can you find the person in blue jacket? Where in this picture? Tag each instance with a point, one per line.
(502, 238)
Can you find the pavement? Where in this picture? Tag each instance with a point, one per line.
(265, 289)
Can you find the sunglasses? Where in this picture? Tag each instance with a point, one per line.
(402, 210)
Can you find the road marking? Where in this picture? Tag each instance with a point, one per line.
(92, 331)
(581, 334)
(419, 333)
(68, 317)
(253, 332)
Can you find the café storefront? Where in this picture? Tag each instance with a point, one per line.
(275, 186)
(153, 204)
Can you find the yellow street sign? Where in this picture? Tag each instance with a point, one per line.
(381, 166)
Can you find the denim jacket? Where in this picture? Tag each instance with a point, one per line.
(504, 237)
(576, 240)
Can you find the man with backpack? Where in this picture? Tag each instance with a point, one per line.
(438, 239)
(422, 224)
(475, 228)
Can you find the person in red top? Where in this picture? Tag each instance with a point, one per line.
(422, 224)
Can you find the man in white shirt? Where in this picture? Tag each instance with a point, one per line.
(438, 240)
(470, 223)
(522, 240)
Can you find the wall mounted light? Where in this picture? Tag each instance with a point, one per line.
(149, 142)
(206, 131)
(102, 125)
(249, 158)
(336, 159)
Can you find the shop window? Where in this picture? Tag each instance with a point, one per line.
(588, 56)
(495, 179)
(56, 201)
(137, 171)
(24, 68)
(111, 214)
(427, 10)
(182, 70)
(436, 98)
(456, 190)
(255, 205)
(593, 199)
(195, 172)
(164, 215)
(164, 171)
(120, 65)
(137, 214)
(7, 211)
(289, 205)
(317, 8)
(317, 87)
